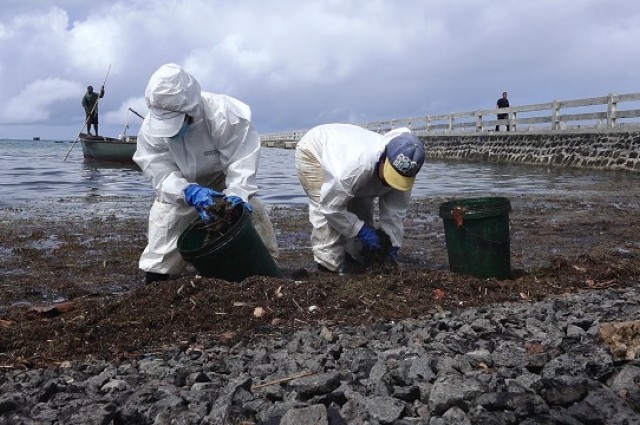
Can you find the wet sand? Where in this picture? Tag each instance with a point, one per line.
(93, 244)
(75, 314)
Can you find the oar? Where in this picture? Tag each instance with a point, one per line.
(126, 126)
(95, 105)
(141, 116)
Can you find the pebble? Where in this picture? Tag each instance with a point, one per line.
(515, 363)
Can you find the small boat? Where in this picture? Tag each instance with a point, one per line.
(36, 138)
(108, 149)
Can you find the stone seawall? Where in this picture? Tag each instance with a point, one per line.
(609, 150)
(282, 144)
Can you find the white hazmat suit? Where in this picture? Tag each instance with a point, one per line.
(338, 168)
(220, 150)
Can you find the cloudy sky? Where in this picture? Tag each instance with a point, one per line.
(303, 63)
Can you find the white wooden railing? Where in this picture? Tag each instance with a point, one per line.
(605, 112)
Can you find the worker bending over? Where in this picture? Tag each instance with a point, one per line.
(342, 169)
(195, 147)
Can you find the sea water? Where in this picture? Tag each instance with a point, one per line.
(37, 170)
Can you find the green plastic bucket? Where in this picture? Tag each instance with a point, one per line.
(234, 255)
(477, 236)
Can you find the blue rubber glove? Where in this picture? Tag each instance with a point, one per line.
(369, 238)
(392, 257)
(200, 198)
(236, 200)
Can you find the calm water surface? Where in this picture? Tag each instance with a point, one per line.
(36, 170)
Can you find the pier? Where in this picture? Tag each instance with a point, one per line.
(599, 132)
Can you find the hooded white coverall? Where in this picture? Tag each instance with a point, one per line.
(338, 168)
(221, 150)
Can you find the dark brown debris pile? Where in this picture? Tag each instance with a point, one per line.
(75, 293)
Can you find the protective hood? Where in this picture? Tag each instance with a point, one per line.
(171, 93)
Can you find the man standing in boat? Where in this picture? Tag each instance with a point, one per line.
(90, 105)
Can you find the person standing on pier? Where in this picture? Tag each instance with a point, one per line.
(503, 102)
(343, 168)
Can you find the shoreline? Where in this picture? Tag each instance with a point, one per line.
(81, 332)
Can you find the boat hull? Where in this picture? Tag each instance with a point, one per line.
(106, 149)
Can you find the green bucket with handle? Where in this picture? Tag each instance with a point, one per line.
(477, 236)
(233, 254)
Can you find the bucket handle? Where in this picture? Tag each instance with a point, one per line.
(457, 214)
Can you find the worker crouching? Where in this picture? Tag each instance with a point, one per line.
(343, 168)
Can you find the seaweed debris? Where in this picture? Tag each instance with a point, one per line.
(224, 216)
(378, 260)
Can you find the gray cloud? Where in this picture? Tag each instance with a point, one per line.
(299, 64)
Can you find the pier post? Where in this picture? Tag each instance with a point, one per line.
(555, 115)
(479, 125)
(612, 108)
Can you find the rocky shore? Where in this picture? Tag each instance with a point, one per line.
(523, 363)
(556, 344)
